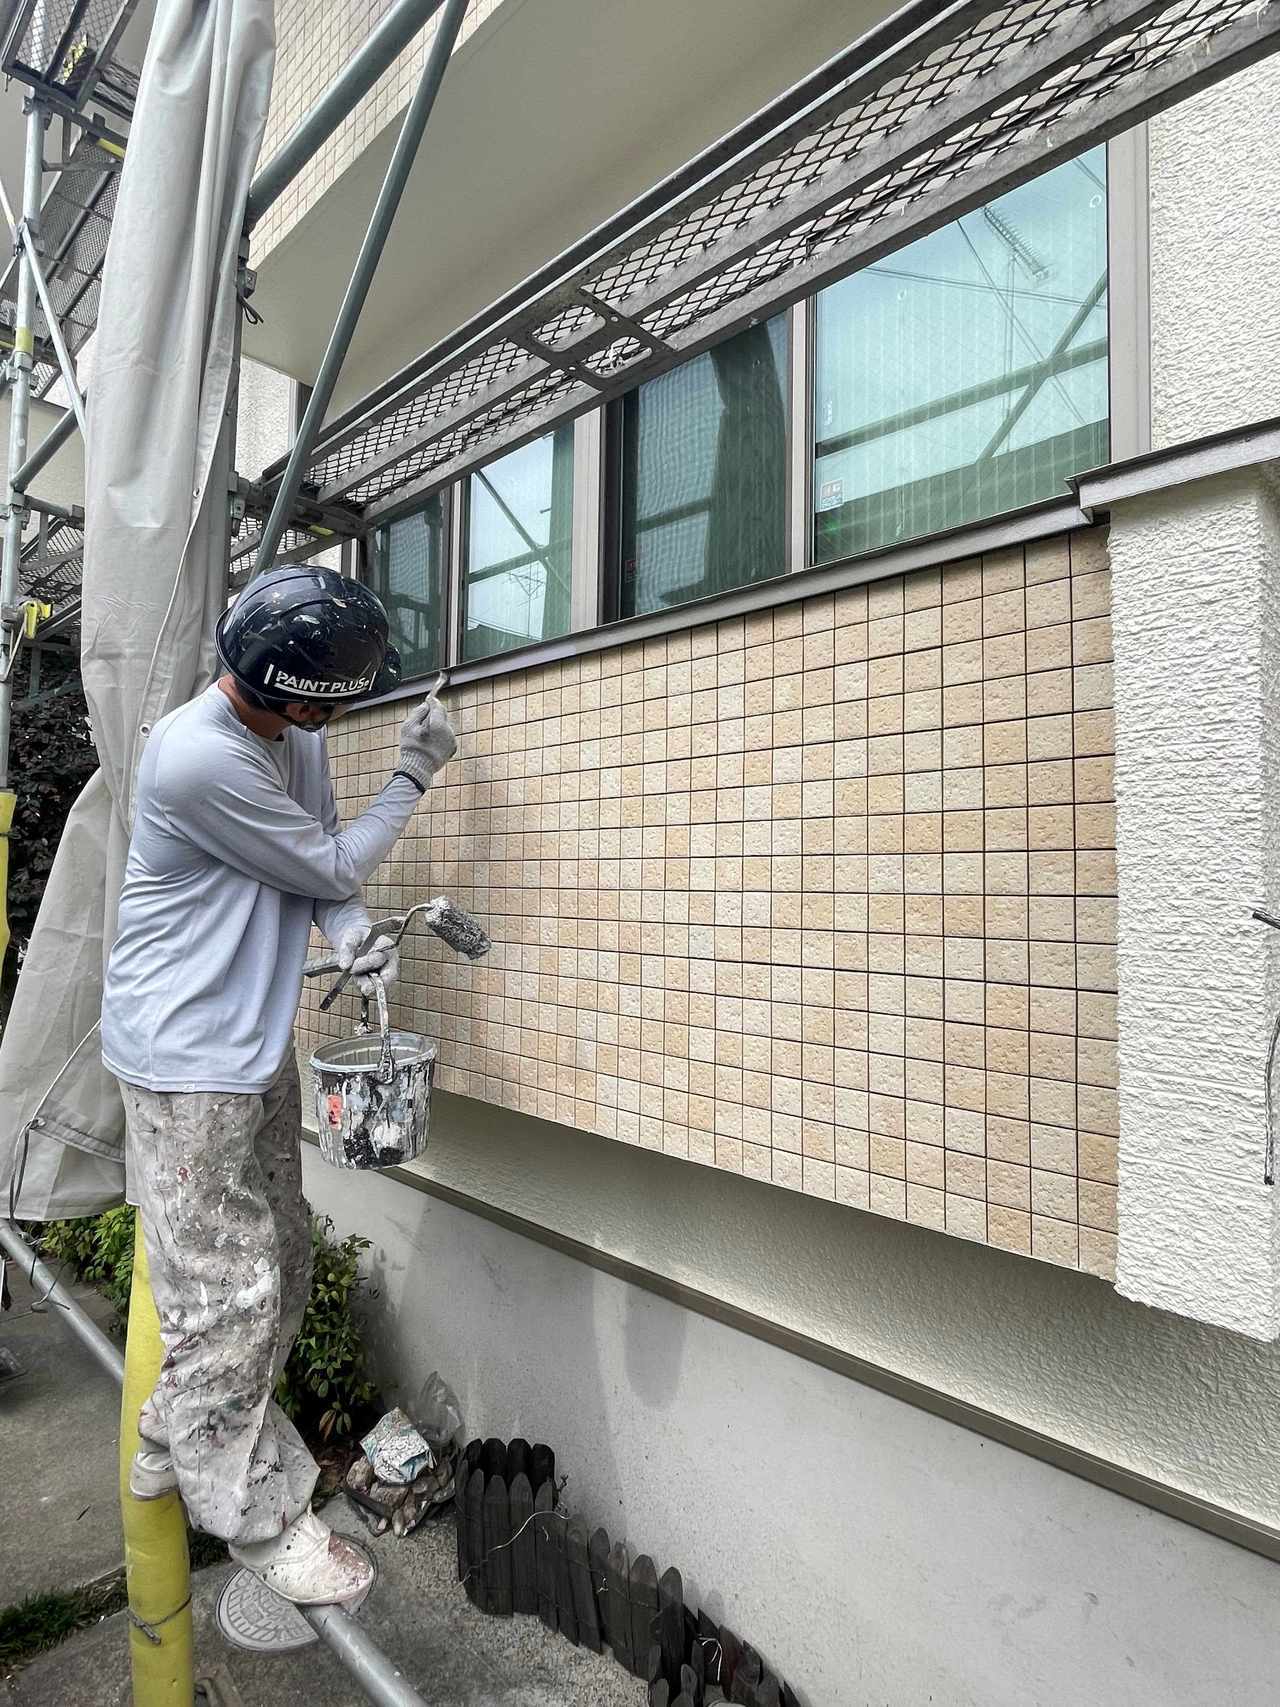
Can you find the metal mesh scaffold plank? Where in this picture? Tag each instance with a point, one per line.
(68, 51)
(75, 222)
(973, 101)
(52, 562)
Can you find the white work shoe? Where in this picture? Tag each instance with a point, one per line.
(151, 1475)
(307, 1563)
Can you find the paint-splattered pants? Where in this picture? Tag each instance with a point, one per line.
(218, 1181)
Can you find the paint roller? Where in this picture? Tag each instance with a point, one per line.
(448, 921)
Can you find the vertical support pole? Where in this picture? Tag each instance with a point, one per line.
(19, 415)
(157, 1564)
(231, 414)
(375, 238)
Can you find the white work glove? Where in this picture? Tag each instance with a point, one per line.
(383, 958)
(427, 741)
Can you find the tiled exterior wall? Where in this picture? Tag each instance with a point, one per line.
(825, 896)
(314, 40)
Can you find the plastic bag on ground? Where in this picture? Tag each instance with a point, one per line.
(437, 1412)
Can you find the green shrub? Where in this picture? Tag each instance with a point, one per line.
(51, 760)
(100, 1249)
(325, 1388)
(325, 1385)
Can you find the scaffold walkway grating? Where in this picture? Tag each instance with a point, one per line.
(68, 52)
(75, 222)
(53, 560)
(932, 114)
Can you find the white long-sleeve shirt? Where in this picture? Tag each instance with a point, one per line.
(235, 851)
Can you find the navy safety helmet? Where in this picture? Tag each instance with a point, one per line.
(301, 633)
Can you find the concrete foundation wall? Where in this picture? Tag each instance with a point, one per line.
(876, 1554)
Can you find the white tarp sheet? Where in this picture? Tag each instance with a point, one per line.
(155, 559)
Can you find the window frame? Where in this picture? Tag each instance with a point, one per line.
(366, 550)
(613, 412)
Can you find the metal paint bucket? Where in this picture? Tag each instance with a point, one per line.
(373, 1095)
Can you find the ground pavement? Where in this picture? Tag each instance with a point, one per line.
(61, 1528)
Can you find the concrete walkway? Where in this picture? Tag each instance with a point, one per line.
(59, 1425)
(58, 1429)
(417, 1613)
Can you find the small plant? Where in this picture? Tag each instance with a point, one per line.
(100, 1249)
(325, 1383)
(325, 1388)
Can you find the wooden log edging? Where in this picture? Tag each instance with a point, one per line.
(517, 1552)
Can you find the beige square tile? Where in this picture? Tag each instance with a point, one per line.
(1055, 1241)
(888, 1197)
(1097, 1014)
(1007, 1050)
(1088, 550)
(1094, 733)
(1099, 1158)
(1049, 648)
(1047, 560)
(1091, 641)
(1009, 1228)
(1008, 1141)
(1049, 737)
(1095, 779)
(961, 622)
(1048, 604)
(965, 1175)
(922, 589)
(1003, 613)
(925, 1207)
(966, 1217)
(1098, 1206)
(1094, 687)
(926, 1164)
(1008, 1186)
(1098, 1253)
(961, 581)
(1049, 694)
(1052, 1055)
(1090, 595)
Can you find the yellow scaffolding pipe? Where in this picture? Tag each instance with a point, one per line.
(7, 802)
(155, 1531)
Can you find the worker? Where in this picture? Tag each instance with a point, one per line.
(236, 852)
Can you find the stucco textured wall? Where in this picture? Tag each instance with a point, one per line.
(1215, 285)
(1197, 695)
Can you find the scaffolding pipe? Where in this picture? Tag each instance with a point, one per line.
(55, 1293)
(48, 448)
(20, 364)
(352, 83)
(382, 1682)
(380, 221)
(22, 234)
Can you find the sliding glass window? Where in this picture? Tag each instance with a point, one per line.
(407, 571)
(966, 374)
(702, 475)
(517, 573)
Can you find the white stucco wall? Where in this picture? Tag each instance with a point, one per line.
(262, 426)
(877, 1554)
(1196, 621)
(1057, 1350)
(1215, 277)
(62, 481)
